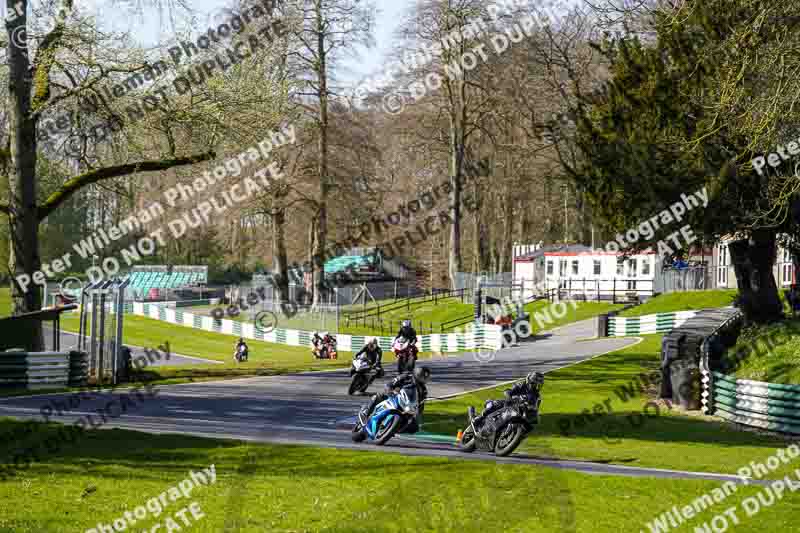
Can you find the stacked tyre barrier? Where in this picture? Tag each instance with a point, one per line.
(43, 370)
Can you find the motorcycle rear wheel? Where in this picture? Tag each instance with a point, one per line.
(359, 384)
(387, 432)
(467, 442)
(510, 437)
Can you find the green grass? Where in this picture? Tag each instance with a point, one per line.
(5, 302)
(625, 436)
(574, 313)
(779, 363)
(294, 488)
(683, 301)
(265, 358)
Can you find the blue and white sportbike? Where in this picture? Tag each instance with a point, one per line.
(396, 414)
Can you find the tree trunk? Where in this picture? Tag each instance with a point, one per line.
(23, 211)
(324, 186)
(753, 260)
(504, 262)
(281, 266)
(456, 162)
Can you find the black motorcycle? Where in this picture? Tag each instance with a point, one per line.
(363, 372)
(503, 430)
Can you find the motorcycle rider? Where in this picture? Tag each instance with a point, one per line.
(528, 389)
(316, 343)
(374, 356)
(244, 353)
(410, 334)
(419, 377)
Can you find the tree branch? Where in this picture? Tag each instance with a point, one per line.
(87, 178)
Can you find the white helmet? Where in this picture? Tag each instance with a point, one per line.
(372, 340)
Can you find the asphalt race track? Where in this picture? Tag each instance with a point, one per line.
(314, 408)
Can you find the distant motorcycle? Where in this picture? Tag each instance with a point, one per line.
(240, 355)
(406, 354)
(503, 430)
(326, 349)
(397, 414)
(363, 375)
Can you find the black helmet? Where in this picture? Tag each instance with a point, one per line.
(422, 374)
(535, 379)
(406, 324)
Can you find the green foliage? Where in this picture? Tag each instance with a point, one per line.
(650, 135)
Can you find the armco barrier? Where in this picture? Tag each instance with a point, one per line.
(769, 406)
(640, 325)
(43, 370)
(482, 336)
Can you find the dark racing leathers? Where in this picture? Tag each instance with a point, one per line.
(398, 383)
(374, 355)
(410, 335)
(520, 390)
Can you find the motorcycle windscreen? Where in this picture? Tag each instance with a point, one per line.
(408, 398)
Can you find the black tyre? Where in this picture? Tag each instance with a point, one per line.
(509, 338)
(467, 442)
(359, 384)
(386, 432)
(358, 434)
(510, 437)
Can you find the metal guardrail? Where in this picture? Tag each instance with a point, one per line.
(43, 370)
(769, 406)
(407, 303)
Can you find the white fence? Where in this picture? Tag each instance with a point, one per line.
(477, 336)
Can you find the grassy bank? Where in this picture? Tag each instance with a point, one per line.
(777, 362)
(622, 430)
(265, 358)
(683, 301)
(293, 488)
(580, 311)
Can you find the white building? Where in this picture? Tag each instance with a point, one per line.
(782, 271)
(580, 272)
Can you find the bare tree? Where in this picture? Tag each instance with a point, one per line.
(323, 32)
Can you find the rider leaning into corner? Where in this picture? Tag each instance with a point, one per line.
(374, 355)
(528, 389)
(419, 377)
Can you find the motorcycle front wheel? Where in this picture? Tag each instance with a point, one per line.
(510, 437)
(387, 430)
(467, 442)
(359, 384)
(358, 434)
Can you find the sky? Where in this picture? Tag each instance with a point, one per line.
(152, 27)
